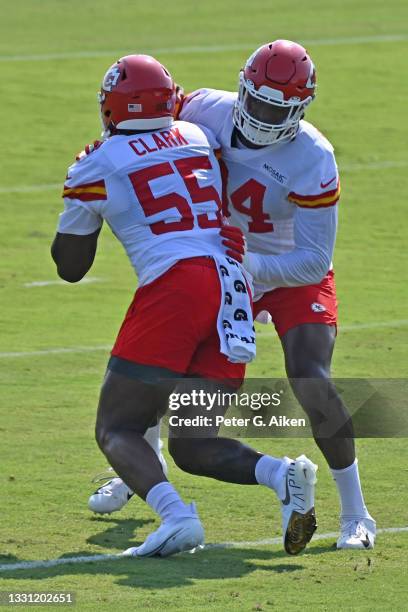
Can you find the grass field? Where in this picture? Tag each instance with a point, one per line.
(52, 58)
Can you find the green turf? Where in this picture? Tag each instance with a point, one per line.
(47, 402)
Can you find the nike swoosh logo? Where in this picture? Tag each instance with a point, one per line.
(160, 547)
(286, 501)
(324, 185)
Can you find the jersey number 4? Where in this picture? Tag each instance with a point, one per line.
(152, 205)
(247, 200)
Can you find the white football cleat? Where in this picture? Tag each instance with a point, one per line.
(110, 497)
(298, 513)
(178, 535)
(357, 533)
(114, 494)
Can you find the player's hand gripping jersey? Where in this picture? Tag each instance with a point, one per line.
(157, 191)
(282, 196)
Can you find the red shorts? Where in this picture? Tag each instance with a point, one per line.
(172, 323)
(293, 306)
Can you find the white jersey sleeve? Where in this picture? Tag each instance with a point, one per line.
(84, 196)
(208, 108)
(308, 262)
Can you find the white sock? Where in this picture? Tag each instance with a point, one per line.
(164, 499)
(351, 495)
(152, 437)
(269, 471)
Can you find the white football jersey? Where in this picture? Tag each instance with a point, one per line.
(282, 196)
(160, 193)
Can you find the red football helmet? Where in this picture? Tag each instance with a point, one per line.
(137, 93)
(275, 86)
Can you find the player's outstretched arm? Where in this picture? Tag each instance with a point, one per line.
(74, 254)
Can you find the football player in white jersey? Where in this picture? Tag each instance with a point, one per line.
(281, 187)
(157, 184)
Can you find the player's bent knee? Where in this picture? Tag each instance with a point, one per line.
(105, 437)
(110, 441)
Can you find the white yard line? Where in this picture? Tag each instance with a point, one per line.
(31, 188)
(353, 167)
(356, 326)
(318, 536)
(84, 281)
(187, 50)
(356, 40)
(106, 347)
(57, 351)
(25, 565)
(377, 165)
(352, 327)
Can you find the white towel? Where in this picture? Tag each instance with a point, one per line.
(235, 323)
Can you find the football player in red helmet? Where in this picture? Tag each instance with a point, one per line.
(276, 85)
(137, 93)
(290, 226)
(281, 189)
